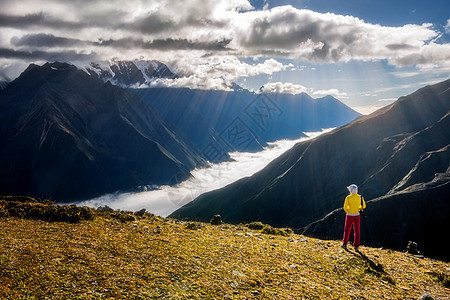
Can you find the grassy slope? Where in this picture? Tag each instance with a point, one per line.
(162, 258)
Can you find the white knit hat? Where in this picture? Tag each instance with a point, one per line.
(353, 188)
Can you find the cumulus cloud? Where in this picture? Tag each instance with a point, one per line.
(216, 72)
(447, 27)
(333, 92)
(294, 89)
(304, 34)
(218, 29)
(368, 109)
(284, 88)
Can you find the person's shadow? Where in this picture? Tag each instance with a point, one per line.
(373, 267)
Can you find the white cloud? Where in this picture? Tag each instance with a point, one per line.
(333, 92)
(284, 88)
(447, 27)
(405, 74)
(387, 99)
(304, 34)
(216, 72)
(196, 34)
(367, 109)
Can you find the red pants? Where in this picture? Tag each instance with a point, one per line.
(349, 221)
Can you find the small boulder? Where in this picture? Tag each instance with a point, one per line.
(216, 220)
(412, 248)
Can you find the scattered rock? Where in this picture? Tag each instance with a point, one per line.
(141, 212)
(193, 226)
(234, 285)
(239, 274)
(216, 220)
(412, 248)
(157, 230)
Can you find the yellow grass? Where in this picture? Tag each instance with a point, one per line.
(156, 258)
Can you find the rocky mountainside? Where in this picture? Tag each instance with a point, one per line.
(69, 136)
(130, 73)
(400, 149)
(222, 121)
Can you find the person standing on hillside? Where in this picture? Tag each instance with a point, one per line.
(353, 203)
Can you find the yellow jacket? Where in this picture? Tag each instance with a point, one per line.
(352, 204)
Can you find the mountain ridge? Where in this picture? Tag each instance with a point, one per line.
(93, 124)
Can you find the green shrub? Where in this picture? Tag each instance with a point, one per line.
(267, 229)
(193, 226)
(105, 208)
(45, 212)
(443, 278)
(255, 225)
(143, 213)
(123, 216)
(21, 199)
(276, 231)
(108, 212)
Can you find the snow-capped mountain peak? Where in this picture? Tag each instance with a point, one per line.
(130, 74)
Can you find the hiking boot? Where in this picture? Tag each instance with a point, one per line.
(344, 247)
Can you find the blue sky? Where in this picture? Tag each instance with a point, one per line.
(368, 84)
(391, 13)
(365, 53)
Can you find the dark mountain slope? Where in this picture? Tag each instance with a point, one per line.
(3, 85)
(382, 152)
(68, 136)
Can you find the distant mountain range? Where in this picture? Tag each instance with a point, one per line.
(398, 156)
(73, 133)
(67, 135)
(218, 122)
(211, 119)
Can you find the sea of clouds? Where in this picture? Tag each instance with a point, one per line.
(167, 199)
